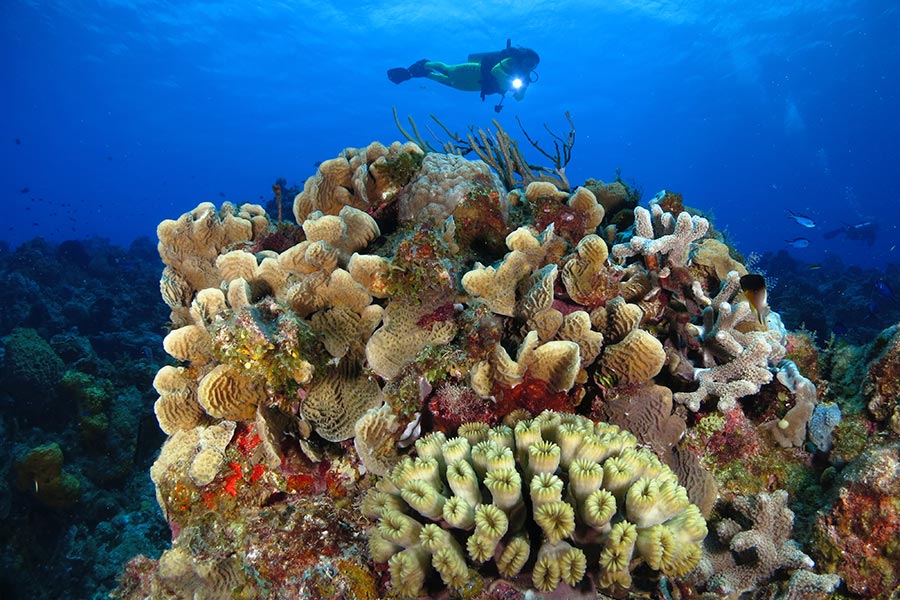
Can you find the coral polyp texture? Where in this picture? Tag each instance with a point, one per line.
(527, 390)
(557, 501)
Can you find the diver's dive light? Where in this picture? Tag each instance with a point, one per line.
(517, 83)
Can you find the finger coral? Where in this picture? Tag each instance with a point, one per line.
(562, 464)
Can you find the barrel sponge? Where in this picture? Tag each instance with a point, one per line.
(177, 407)
(226, 393)
(637, 358)
(189, 343)
(337, 398)
(593, 492)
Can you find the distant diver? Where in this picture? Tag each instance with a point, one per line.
(507, 70)
(861, 232)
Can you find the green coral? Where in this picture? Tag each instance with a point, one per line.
(548, 493)
(91, 396)
(269, 342)
(40, 471)
(402, 168)
(31, 369)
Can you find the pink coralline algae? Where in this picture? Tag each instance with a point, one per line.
(858, 535)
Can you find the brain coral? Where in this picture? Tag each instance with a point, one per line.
(545, 495)
(442, 183)
(31, 369)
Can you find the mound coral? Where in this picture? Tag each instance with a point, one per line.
(40, 472)
(546, 494)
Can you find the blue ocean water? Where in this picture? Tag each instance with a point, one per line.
(118, 114)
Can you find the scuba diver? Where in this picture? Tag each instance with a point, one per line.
(507, 70)
(866, 231)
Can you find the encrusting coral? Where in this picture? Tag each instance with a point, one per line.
(549, 492)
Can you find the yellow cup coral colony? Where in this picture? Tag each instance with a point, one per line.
(556, 495)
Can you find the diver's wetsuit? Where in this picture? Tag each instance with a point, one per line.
(485, 72)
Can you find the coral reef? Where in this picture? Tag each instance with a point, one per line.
(882, 387)
(40, 472)
(80, 341)
(392, 358)
(30, 373)
(857, 534)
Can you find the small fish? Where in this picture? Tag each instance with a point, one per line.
(798, 242)
(18, 141)
(221, 194)
(801, 219)
(814, 266)
(884, 289)
(754, 287)
(23, 191)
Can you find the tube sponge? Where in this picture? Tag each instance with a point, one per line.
(461, 506)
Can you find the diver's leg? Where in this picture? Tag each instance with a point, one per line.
(400, 74)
